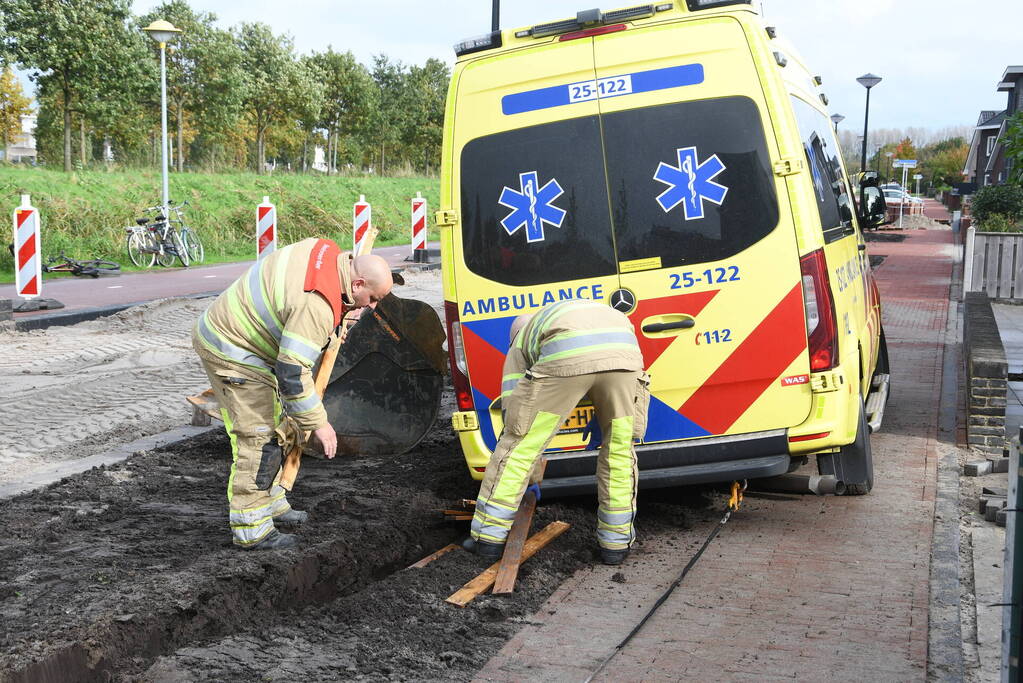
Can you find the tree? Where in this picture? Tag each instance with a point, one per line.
(425, 95)
(276, 85)
(205, 82)
(349, 98)
(13, 105)
(85, 51)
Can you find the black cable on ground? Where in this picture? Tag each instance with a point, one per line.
(733, 505)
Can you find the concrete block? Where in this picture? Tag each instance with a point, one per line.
(1000, 517)
(992, 508)
(1000, 491)
(999, 465)
(6, 310)
(976, 468)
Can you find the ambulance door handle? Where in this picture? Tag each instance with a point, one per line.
(678, 325)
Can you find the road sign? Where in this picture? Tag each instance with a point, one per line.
(904, 163)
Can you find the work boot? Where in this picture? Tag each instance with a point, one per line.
(292, 517)
(613, 557)
(275, 540)
(485, 549)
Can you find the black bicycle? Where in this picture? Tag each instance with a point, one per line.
(90, 268)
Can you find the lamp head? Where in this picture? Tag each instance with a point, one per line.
(162, 31)
(868, 81)
(837, 119)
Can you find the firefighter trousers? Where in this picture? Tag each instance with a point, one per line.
(251, 409)
(534, 412)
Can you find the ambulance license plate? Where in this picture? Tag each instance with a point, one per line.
(577, 420)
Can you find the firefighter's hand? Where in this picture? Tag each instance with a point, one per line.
(328, 438)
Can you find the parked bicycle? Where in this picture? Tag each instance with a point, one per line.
(160, 240)
(91, 268)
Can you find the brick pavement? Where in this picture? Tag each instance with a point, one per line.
(795, 587)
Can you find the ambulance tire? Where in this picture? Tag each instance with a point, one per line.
(883, 367)
(858, 461)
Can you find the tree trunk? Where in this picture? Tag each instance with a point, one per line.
(260, 166)
(381, 160)
(81, 131)
(181, 146)
(67, 135)
(305, 152)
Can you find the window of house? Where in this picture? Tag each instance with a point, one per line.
(991, 144)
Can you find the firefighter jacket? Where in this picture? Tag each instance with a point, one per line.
(570, 338)
(277, 318)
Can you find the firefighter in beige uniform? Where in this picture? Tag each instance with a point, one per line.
(566, 351)
(258, 342)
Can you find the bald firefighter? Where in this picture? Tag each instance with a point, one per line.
(258, 342)
(566, 351)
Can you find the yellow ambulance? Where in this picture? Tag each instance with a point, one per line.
(675, 161)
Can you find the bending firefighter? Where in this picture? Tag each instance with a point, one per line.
(564, 352)
(258, 342)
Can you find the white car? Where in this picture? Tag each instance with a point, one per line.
(894, 196)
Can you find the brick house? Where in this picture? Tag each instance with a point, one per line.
(986, 163)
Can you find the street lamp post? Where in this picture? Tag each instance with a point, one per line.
(868, 81)
(889, 155)
(163, 32)
(837, 119)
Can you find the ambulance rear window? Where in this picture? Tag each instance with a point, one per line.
(690, 182)
(534, 205)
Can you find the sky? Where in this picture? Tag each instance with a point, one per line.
(940, 61)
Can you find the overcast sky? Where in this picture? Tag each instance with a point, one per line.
(940, 60)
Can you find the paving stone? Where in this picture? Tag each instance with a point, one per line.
(976, 468)
(999, 465)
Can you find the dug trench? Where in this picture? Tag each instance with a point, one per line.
(127, 573)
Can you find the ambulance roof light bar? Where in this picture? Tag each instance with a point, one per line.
(487, 41)
(695, 5)
(592, 18)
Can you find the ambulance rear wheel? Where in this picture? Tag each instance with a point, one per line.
(858, 461)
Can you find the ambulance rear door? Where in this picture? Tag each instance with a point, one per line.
(533, 208)
(703, 231)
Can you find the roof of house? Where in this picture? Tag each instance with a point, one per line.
(1009, 78)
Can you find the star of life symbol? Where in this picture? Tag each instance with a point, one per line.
(532, 206)
(690, 183)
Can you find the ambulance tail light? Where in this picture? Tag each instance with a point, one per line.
(821, 333)
(456, 356)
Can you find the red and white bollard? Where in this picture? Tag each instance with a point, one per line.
(419, 252)
(27, 267)
(266, 229)
(361, 222)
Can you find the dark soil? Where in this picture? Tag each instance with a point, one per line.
(128, 573)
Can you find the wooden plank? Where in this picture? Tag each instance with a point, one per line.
(1017, 276)
(979, 256)
(512, 558)
(991, 265)
(481, 583)
(433, 556)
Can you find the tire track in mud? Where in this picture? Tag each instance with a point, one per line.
(74, 391)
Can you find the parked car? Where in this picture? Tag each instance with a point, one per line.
(895, 196)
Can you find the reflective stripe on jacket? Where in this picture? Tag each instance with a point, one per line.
(267, 322)
(569, 338)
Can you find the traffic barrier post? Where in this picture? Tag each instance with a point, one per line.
(419, 251)
(361, 223)
(266, 228)
(27, 267)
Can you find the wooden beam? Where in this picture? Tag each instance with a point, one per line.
(512, 558)
(481, 583)
(433, 556)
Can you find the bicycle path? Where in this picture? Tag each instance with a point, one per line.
(87, 298)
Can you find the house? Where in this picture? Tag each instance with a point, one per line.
(986, 163)
(23, 148)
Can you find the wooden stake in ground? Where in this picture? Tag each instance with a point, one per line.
(481, 583)
(512, 558)
(293, 460)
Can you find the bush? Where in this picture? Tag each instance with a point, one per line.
(1006, 200)
(997, 222)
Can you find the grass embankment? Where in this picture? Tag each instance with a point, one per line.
(84, 213)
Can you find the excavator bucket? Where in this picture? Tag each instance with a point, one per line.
(385, 389)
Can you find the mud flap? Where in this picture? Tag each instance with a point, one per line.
(384, 393)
